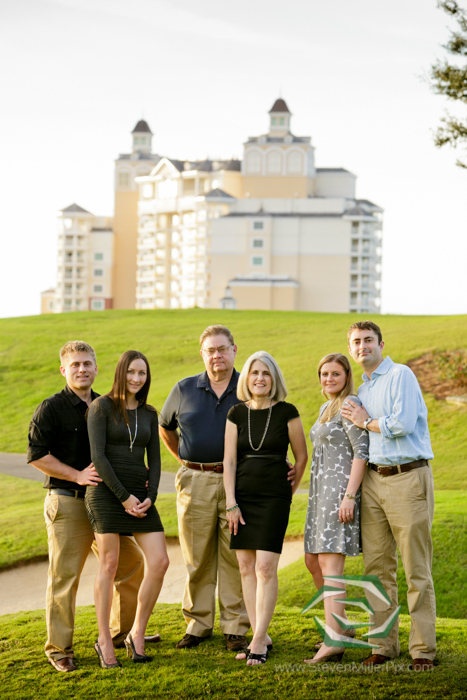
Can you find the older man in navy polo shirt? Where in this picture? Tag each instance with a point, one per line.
(192, 426)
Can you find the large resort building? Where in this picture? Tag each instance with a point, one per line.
(270, 231)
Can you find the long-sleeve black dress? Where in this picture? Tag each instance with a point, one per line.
(123, 471)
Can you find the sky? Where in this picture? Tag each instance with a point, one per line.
(78, 74)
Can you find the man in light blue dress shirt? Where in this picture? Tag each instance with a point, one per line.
(397, 493)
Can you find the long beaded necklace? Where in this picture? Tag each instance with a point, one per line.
(132, 440)
(256, 449)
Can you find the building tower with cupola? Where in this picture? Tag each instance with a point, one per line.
(298, 239)
(128, 167)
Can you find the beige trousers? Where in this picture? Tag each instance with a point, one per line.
(205, 543)
(70, 538)
(397, 511)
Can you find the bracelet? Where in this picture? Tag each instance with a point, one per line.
(229, 510)
(366, 422)
(349, 495)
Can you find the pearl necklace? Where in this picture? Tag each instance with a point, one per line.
(132, 440)
(257, 449)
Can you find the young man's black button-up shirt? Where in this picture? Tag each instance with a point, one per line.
(58, 427)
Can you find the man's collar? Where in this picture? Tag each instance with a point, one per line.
(382, 368)
(205, 383)
(74, 399)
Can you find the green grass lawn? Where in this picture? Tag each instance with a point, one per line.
(29, 351)
(209, 671)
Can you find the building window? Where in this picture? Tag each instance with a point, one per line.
(97, 304)
(258, 225)
(257, 260)
(253, 162)
(294, 162)
(274, 162)
(258, 242)
(98, 288)
(98, 272)
(98, 256)
(123, 179)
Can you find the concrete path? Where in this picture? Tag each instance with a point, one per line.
(13, 464)
(24, 588)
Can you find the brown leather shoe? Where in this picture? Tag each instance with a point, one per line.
(235, 642)
(421, 665)
(376, 660)
(65, 665)
(190, 641)
(152, 639)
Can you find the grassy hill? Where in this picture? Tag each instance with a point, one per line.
(29, 361)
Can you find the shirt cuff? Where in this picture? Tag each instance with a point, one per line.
(385, 432)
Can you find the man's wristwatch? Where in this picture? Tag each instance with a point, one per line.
(365, 422)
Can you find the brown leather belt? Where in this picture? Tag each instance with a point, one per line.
(398, 468)
(217, 467)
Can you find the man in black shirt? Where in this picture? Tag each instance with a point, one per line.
(59, 447)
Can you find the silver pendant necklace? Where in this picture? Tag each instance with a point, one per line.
(256, 449)
(132, 441)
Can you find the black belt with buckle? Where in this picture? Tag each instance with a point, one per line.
(398, 468)
(73, 493)
(217, 467)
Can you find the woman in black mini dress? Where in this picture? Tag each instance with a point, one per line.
(258, 494)
(122, 428)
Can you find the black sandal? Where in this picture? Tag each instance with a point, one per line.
(262, 658)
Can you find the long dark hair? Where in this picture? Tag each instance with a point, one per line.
(118, 390)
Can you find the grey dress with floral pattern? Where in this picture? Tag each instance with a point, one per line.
(335, 444)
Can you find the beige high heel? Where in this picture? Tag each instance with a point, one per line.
(335, 655)
(351, 632)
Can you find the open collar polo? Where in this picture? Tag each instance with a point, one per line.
(200, 415)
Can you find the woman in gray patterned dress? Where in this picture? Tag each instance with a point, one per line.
(340, 454)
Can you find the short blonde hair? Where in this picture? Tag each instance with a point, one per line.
(278, 388)
(216, 330)
(77, 346)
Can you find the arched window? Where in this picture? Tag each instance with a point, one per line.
(274, 162)
(295, 162)
(253, 162)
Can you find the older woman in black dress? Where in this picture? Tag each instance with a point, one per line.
(258, 495)
(122, 426)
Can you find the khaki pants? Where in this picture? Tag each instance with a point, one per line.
(205, 543)
(397, 511)
(70, 538)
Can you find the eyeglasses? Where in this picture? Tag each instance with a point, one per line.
(222, 350)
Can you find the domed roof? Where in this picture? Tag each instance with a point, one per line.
(142, 127)
(280, 106)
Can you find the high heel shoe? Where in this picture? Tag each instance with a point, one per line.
(133, 654)
(102, 662)
(351, 632)
(335, 655)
